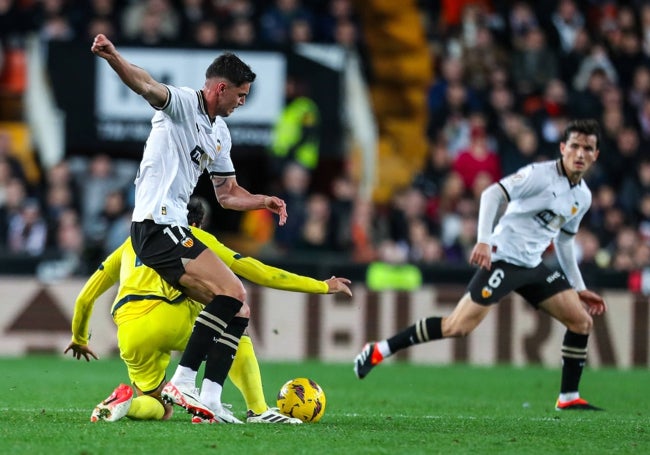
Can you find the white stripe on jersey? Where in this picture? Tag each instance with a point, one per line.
(542, 201)
(182, 144)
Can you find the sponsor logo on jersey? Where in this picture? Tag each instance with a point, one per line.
(187, 242)
(486, 292)
(552, 277)
(550, 219)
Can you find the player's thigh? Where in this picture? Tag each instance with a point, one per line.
(146, 342)
(465, 317)
(567, 308)
(209, 272)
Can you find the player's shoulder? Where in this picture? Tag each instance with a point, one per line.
(220, 123)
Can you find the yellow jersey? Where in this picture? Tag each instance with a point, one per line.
(141, 288)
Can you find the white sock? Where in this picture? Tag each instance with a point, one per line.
(211, 393)
(383, 348)
(569, 396)
(184, 376)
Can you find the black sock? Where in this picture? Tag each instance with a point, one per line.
(424, 330)
(209, 326)
(574, 355)
(222, 353)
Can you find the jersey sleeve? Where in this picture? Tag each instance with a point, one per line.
(272, 277)
(180, 101)
(222, 251)
(99, 282)
(259, 273)
(222, 166)
(524, 183)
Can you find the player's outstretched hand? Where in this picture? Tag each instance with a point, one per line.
(102, 46)
(277, 206)
(481, 256)
(79, 350)
(335, 285)
(595, 303)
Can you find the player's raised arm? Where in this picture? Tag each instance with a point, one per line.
(133, 76)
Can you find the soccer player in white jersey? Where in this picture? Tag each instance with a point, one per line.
(188, 136)
(544, 203)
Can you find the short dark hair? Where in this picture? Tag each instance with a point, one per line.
(196, 211)
(232, 68)
(589, 127)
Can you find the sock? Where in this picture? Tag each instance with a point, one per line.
(427, 329)
(184, 376)
(574, 355)
(209, 325)
(211, 393)
(222, 354)
(245, 374)
(146, 407)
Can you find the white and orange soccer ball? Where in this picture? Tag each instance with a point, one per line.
(303, 399)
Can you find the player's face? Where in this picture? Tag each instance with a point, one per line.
(578, 154)
(231, 97)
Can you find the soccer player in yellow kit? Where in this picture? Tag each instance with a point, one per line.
(153, 319)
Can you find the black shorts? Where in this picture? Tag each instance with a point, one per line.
(535, 285)
(165, 248)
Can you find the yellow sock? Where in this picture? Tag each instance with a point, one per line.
(145, 407)
(245, 374)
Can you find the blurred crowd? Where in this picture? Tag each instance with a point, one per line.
(509, 75)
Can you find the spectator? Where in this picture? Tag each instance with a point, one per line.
(276, 20)
(436, 167)
(364, 231)
(317, 234)
(295, 192)
(205, 34)
(27, 231)
(568, 22)
(15, 194)
(344, 194)
(478, 158)
(525, 151)
(150, 22)
(241, 33)
(534, 64)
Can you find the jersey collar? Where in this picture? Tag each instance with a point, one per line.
(561, 171)
(202, 106)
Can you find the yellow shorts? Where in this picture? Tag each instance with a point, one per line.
(146, 340)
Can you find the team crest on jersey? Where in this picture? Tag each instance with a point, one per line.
(574, 208)
(187, 242)
(486, 292)
(517, 177)
(218, 145)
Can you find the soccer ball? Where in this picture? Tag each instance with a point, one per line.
(303, 399)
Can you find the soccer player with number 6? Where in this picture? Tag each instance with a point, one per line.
(544, 203)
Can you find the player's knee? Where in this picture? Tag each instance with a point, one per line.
(583, 326)
(452, 328)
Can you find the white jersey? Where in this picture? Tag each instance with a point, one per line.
(182, 144)
(542, 201)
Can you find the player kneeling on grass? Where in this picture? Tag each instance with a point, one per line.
(544, 203)
(153, 319)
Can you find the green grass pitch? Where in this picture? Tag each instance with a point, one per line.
(46, 402)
